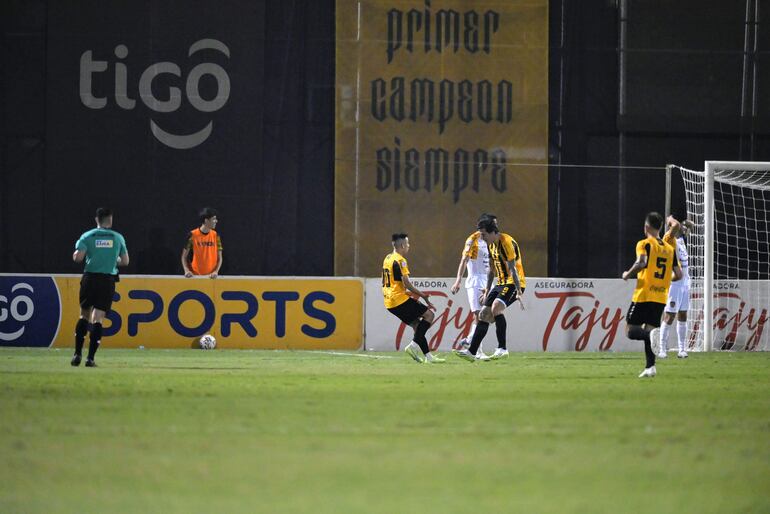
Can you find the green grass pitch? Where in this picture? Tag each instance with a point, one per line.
(264, 431)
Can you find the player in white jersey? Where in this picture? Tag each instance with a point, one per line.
(679, 294)
(474, 260)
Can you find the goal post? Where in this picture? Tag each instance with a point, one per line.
(729, 204)
(708, 256)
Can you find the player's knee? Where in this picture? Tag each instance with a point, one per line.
(681, 316)
(428, 316)
(486, 315)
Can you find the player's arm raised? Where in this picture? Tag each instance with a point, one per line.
(408, 284)
(674, 229)
(677, 268)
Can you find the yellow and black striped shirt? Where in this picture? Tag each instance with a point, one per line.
(500, 253)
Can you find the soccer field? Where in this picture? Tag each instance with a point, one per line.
(270, 431)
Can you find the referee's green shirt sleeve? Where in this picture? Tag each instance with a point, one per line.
(123, 248)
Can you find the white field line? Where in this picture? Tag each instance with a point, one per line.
(349, 354)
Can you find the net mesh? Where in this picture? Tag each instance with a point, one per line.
(741, 255)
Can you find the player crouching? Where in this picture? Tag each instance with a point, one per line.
(395, 282)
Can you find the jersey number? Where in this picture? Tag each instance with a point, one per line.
(385, 277)
(661, 265)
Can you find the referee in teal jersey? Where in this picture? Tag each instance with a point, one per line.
(103, 250)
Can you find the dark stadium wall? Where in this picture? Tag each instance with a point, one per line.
(99, 100)
(268, 162)
(689, 98)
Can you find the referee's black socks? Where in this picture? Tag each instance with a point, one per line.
(81, 329)
(478, 336)
(638, 333)
(96, 337)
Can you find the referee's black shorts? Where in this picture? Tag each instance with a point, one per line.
(409, 311)
(96, 290)
(642, 313)
(506, 293)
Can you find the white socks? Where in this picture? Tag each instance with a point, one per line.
(664, 328)
(681, 333)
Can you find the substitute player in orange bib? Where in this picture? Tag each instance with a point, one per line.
(205, 246)
(655, 262)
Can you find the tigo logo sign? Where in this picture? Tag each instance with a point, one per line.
(172, 100)
(30, 311)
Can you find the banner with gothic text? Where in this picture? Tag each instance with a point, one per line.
(441, 115)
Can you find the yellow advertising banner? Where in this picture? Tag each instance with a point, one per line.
(441, 115)
(166, 312)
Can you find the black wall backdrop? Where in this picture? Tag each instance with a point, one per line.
(267, 164)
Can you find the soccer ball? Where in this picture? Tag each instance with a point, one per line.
(207, 342)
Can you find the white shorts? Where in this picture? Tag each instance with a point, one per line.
(678, 296)
(473, 297)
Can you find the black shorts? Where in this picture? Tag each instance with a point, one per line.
(506, 293)
(642, 313)
(96, 290)
(409, 311)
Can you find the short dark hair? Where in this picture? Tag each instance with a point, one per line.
(488, 216)
(488, 225)
(103, 213)
(654, 220)
(206, 213)
(397, 236)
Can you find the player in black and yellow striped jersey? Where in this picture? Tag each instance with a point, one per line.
(395, 284)
(474, 259)
(505, 265)
(656, 264)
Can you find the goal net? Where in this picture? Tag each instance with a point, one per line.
(729, 255)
